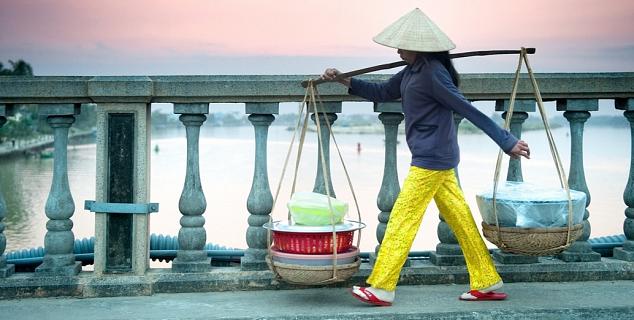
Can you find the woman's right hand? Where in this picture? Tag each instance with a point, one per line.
(331, 73)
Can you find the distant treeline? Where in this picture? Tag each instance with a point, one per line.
(26, 122)
(18, 68)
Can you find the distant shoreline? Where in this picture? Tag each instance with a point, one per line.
(369, 124)
(465, 128)
(38, 147)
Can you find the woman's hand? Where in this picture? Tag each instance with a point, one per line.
(331, 73)
(520, 150)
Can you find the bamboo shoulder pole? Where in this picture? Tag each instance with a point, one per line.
(402, 63)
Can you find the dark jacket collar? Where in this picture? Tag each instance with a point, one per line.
(418, 64)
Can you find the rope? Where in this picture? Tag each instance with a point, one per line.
(311, 97)
(279, 185)
(345, 170)
(324, 171)
(553, 148)
(551, 143)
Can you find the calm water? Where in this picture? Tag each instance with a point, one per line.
(227, 156)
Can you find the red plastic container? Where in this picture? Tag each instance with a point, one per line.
(311, 243)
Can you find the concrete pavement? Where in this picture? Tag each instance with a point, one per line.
(536, 300)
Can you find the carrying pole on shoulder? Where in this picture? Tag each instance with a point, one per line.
(402, 63)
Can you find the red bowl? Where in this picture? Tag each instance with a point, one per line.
(311, 243)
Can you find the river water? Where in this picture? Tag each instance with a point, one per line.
(226, 165)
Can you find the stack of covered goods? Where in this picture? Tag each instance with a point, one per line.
(302, 250)
(530, 219)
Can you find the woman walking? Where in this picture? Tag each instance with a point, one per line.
(427, 87)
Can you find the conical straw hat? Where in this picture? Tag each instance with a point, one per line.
(415, 32)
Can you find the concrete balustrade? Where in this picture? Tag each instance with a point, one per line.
(627, 251)
(260, 200)
(577, 112)
(327, 114)
(287, 88)
(520, 114)
(192, 236)
(59, 259)
(5, 269)
(391, 116)
(123, 142)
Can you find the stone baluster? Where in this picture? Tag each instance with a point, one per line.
(448, 251)
(627, 251)
(59, 241)
(6, 270)
(327, 111)
(260, 201)
(191, 255)
(391, 116)
(577, 113)
(520, 114)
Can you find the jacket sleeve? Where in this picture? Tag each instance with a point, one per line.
(377, 92)
(446, 93)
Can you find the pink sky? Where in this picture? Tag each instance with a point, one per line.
(66, 37)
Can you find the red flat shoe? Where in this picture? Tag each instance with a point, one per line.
(369, 297)
(475, 295)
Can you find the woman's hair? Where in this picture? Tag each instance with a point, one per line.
(443, 58)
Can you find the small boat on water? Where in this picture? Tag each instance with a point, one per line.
(46, 154)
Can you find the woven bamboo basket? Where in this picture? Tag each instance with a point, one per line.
(313, 275)
(532, 241)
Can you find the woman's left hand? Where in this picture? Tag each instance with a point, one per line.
(520, 150)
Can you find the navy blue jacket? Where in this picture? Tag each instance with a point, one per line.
(429, 97)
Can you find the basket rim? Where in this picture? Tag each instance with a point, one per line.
(352, 251)
(493, 227)
(277, 264)
(315, 234)
(284, 226)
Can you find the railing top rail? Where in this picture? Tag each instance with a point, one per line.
(286, 88)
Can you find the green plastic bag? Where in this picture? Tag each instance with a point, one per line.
(311, 209)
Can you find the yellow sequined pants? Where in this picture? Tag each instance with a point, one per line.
(420, 186)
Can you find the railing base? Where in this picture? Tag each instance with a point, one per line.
(447, 259)
(509, 258)
(579, 256)
(117, 286)
(254, 260)
(447, 254)
(7, 271)
(194, 266)
(253, 265)
(68, 271)
(579, 251)
(622, 254)
(87, 284)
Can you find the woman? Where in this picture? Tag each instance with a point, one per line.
(427, 87)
